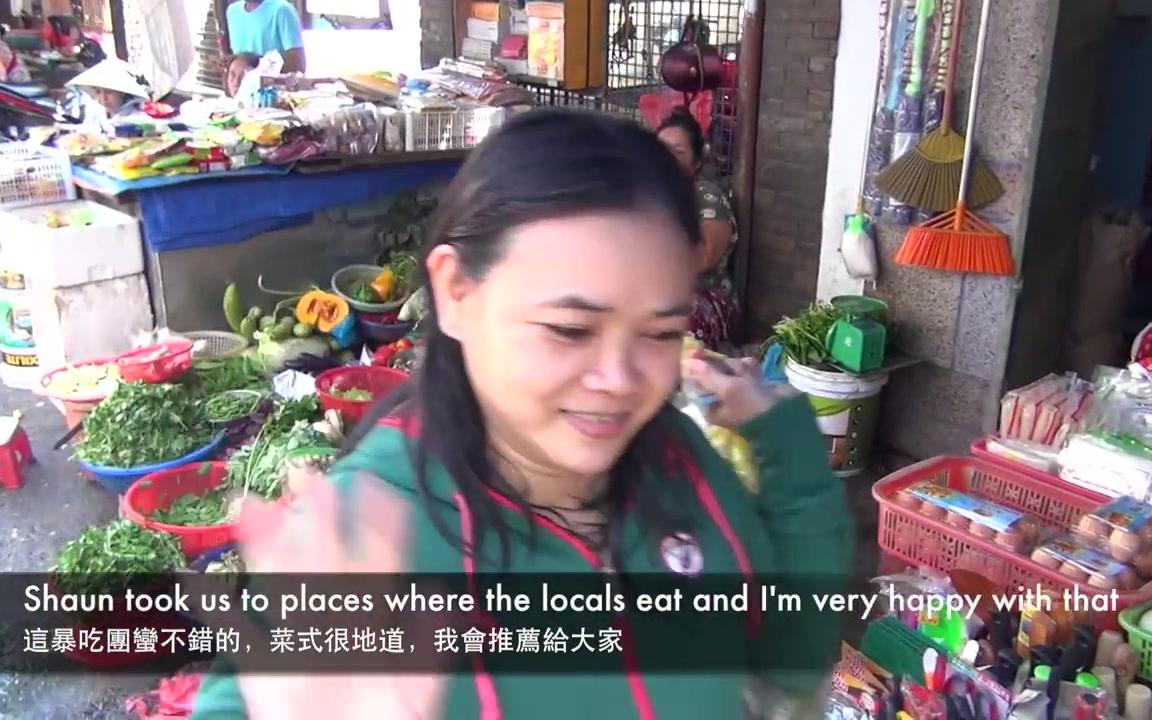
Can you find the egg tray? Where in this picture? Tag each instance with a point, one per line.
(921, 541)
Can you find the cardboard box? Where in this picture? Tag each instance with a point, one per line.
(491, 11)
(488, 30)
(478, 49)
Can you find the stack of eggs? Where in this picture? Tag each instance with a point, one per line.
(984, 519)
(1110, 548)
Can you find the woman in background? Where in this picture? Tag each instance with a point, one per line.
(12, 69)
(239, 67)
(715, 307)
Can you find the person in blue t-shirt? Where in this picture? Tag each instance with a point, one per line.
(257, 27)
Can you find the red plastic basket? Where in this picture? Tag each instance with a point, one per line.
(157, 363)
(379, 381)
(921, 541)
(160, 489)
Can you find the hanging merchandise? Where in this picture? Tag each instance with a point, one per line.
(896, 44)
(908, 120)
(692, 65)
(959, 241)
(858, 243)
(928, 176)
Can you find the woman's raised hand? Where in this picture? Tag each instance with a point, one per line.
(361, 528)
(740, 393)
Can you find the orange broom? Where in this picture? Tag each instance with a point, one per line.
(958, 240)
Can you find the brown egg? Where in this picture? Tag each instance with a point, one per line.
(957, 520)
(1143, 564)
(1031, 530)
(1045, 558)
(1012, 539)
(1073, 572)
(982, 531)
(1103, 582)
(1123, 545)
(908, 500)
(932, 511)
(1092, 526)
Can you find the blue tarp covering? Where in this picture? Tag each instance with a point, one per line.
(202, 214)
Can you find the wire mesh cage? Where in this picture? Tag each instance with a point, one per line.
(449, 129)
(639, 32)
(34, 175)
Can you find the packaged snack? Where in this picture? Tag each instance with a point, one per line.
(1085, 564)
(1011, 529)
(1123, 530)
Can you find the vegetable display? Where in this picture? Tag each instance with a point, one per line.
(352, 393)
(805, 336)
(231, 405)
(85, 381)
(322, 309)
(215, 507)
(255, 468)
(141, 424)
(120, 548)
(212, 377)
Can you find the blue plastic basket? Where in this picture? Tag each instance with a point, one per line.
(118, 480)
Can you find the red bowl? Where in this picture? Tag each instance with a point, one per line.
(379, 381)
(160, 489)
(159, 363)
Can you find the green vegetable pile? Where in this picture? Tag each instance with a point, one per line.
(353, 394)
(255, 468)
(404, 266)
(230, 405)
(804, 337)
(104, 555)
(191, 510)
(143, 424)
(212, 377)
(363, 292)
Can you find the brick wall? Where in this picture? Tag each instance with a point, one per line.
(436, 31)
(795, 113)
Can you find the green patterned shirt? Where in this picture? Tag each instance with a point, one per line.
(714, 205)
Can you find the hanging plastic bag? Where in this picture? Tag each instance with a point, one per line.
(732, 446)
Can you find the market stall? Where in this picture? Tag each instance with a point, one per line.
(321, 168)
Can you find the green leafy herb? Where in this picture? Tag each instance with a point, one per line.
(143, 424)
(255, 468)
(404, 266)
(191, 510)
(804, 337)
(212, 377)
(104, 555)
(231, 404)
(363, 292)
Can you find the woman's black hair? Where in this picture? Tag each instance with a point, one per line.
(249, 59)
(681, 118)
(542, 164)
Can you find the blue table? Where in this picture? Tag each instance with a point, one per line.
(192, 211)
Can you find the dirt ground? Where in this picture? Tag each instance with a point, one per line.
(53, 507)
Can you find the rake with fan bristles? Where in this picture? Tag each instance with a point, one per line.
(958, 240)
(929, 175)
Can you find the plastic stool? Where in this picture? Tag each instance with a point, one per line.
(14, 456)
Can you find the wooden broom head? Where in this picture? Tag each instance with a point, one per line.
(922, 182)
(957, 241)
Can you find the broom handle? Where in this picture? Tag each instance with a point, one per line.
(973, 104)
(884, 18)
(953, 61)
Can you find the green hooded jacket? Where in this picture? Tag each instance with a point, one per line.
(797, 527)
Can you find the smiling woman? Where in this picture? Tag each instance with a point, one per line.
(538, 438)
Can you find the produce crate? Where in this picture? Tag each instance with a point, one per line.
(426, 130)
(1140, 641)
(34, 175)
(160, 489)
(920, 541)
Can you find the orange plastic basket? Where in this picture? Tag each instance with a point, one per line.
(922, 542)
